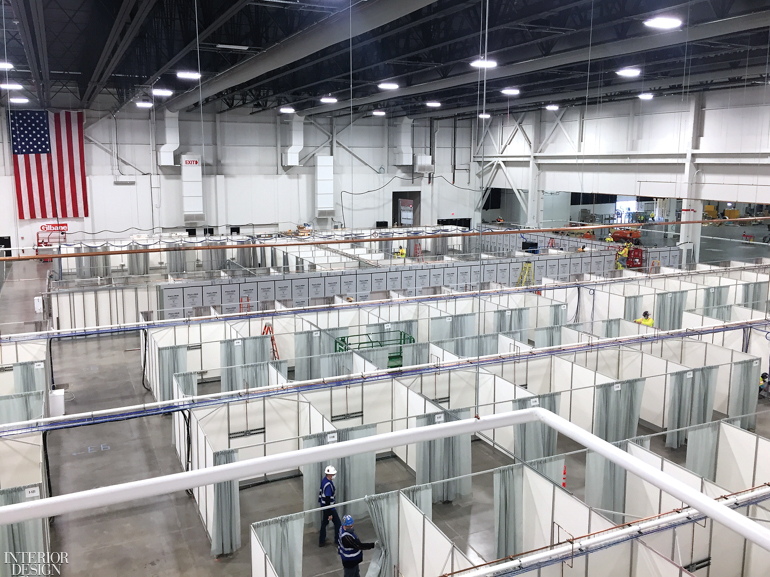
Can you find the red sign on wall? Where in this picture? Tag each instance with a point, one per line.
(193, 162)
(54, 227)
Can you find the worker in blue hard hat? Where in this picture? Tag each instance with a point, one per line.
(326, 498)
(351, 549)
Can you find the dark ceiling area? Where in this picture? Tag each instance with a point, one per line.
(263, 54)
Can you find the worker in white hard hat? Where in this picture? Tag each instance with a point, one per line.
(326, 499)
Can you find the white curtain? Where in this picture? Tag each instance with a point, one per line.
(188, 383)
(558, 315)
(668, 310)
(509, 510)
(22, 407)
(535, 440)
(171, 360)
(691, 401)
(550, 467)
(422, 496)
(755, 295)
(445, 458)
(237, 352)
(138, 264)
(702, 450)
(715, 296)
(511, 320)
(632, 308)
(334, 365)
(27, 536)
(29, 376)
(616, 409)
(547, 336)
(281, 539)
(605, 486)
(226, 533)
(611, 328)
(308, 346)
(744, 383)
(383, 511)
(450, 327)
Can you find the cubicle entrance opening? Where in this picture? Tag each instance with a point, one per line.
(410, 195)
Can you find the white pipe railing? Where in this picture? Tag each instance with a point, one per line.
(126, 492)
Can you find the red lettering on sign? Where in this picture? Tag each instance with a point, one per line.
(54, 227)
(191, 162)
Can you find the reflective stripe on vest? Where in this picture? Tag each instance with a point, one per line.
(322, 493)
(345, 553)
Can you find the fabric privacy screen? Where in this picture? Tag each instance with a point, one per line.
(632, 309)
(281, 542)
(236, 352)
(445, 458)
(606, 486)
(691, 401)
(22, 407)
(535, 440)
(422, 496)
(509, 510)
(616, 409)
(29, 376)
(226, 536)
(547, 337)
(171, 360)
(713, 297)
(511, 320)
(308, 346)
(383, 512)
(702, 451)
(743, 392)
(442, 328)
(668, 310)
(27, 536)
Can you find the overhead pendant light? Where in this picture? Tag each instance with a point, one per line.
(286, 110)
(663, 22)
(484, 115)
(378, 113)
(511, 91)
(552, 107)
(328, 99)
(646, 96)
(144, 104)
(19, 100)
(628, 72)
(232, 47)
(188, 75)
(483, 63)
(387, 86)
(162, 92)
(6, 66)
(11, 86)
(433, 104)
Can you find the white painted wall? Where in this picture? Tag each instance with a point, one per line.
(627, 148)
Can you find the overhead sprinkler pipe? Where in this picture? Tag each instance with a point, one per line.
(136, 490)
(584, 228)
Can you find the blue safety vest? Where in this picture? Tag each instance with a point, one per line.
(327, 490)
(352, 555)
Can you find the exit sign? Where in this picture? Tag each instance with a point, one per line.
(193, 162)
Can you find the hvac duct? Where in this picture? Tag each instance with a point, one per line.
(192, 189)
(215, 259)
(166, 151)
(138, 264)
(175, 260)
(246, 257)
(295, 141)
(402, 142)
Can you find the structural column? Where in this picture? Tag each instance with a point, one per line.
(535, 196)
(692, 207)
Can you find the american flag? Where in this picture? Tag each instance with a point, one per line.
(49, 164)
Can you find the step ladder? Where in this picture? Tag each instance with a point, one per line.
(268, 330)
(551, 243)
(526, 276)
(418, 252)
(245, 309)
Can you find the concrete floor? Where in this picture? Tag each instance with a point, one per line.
(164, 536)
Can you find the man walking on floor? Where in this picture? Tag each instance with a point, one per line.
(326, 498)
(351, 549)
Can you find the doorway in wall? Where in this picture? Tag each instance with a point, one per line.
(414, 196)
(5, 246)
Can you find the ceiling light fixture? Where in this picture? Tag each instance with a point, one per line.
(628, 72)
(328, 99)
(511, 91)
(552, 107)
(6, 66)
(483, 63)
(186, 75)
(232, 47)
(286, 110)
(484, 115)
(646, 96)
(378, 113)
(387, 86)
(162, 92)
(433, 104)
(11, 86)
(663, 22)
(144, 104)
(19, 100)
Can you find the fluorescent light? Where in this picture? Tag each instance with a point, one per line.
(483, 63)
(433, 104)
(232, 47)
(628, 72)
(663, 22)
(144, 104)
(6, 66)
(378, 113)
(387, 86)
(552, 107)
(729, 204)
(646, 96)
(19, 100)
(188, 75)
(286, 110)
(328, 99)
(484, 115)
(11, 86)
(511, 91)
(162, 92)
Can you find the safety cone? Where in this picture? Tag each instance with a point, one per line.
(564, 478)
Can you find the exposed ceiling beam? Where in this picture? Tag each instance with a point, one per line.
(366, 16)
(38, 23)
(123, 32)
(29, 33)
(609, 50)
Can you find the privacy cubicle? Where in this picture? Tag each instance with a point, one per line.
(24, 380)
